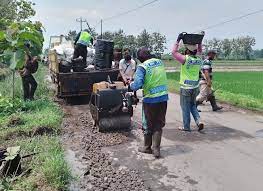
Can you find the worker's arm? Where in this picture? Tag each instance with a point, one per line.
(121, 70)
(207, 78)
(133, 63)
(177, 55)
(77, 38)
(139, 79)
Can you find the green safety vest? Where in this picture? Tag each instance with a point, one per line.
(84, 38)
(189, 77)
(155, 80)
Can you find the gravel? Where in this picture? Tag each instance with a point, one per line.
(102, 171)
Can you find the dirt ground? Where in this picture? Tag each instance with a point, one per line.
(228, 155)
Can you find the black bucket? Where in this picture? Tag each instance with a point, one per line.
(103, 54)
(193, 39)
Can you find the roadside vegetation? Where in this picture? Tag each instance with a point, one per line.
(243, 89)
(34, 126)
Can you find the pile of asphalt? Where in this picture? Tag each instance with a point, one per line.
(103, 171)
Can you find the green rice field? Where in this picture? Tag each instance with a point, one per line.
(244, 89)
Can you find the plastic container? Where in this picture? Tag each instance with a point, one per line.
(193, 39)
(103, 54)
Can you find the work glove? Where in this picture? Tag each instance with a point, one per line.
(180, 37)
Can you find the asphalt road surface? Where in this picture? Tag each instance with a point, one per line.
(227, 156)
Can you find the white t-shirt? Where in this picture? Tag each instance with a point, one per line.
(127, 68)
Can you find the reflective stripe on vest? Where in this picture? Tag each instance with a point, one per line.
(189, 77)
(84, 38)
(155, 81)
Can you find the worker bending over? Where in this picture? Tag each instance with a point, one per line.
(151, 77)
(189, 81)
(206, 92)
(82, 40)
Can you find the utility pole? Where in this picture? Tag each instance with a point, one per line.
(81, 20)
(101, 29)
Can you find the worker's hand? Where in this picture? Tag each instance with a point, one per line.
(128, 81)
(180, 37)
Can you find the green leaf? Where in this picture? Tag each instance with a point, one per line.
(11, 153)
(29, 36)
(2, 35)
(17, 60)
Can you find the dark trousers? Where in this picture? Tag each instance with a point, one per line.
(81, 50)
(154, 116)
(29, 86)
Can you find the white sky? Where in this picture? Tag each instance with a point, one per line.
(168, 17)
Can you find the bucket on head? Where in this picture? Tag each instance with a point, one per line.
(193, 39)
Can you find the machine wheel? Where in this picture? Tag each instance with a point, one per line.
(114, 123)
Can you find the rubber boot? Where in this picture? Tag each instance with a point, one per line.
(147, 145)
(157, 137)
(215, 107)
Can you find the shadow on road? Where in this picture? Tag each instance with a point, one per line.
(213, 133)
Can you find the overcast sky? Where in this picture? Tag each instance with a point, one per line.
(168, 17)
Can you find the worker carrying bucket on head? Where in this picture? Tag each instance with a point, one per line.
(151, 77)
(206, 92)
(189, 77)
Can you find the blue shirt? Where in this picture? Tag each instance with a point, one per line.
(138, 83)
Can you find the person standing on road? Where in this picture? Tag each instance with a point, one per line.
(81, 43)
(189, 79)
(151, 77)
(206, 92)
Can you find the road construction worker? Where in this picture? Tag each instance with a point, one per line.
(206, 92)
(82, 40)
(28, 81)
(127, 67)
(189, 79)
(151, 77)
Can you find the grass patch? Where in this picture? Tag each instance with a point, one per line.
(34, 126)
(49, 170)
(243, 89)
(35, 114)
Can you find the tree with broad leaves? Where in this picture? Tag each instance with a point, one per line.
(15, 10)
(13, 41)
